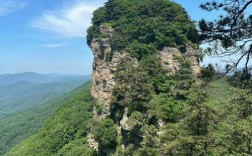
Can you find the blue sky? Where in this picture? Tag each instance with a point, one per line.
(48, 36)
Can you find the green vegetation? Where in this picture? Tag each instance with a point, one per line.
(207, 121)
(199, 117)
(25, 105)
(64, 133)
(241, 79)
(150, 95)
(142, 27)
(19, 92)
(18, 126)
(208, 73)
(212, 119)
(105, 133)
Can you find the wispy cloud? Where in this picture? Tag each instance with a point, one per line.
(55, 45)
(71, 21)
(10, 6)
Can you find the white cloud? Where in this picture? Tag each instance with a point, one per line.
(10, 6)
(56, 45)
(71, 21)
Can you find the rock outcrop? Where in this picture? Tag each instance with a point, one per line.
(106, 61)
(104, 67)
(194, 56)
(170, 63)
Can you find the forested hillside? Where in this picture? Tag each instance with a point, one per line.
(160, 112)
(18, 126)
(26, 102)
(64, 133)
(25, 90)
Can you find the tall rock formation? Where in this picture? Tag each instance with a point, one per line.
(105, 65)
(106, 60)
(125, 35)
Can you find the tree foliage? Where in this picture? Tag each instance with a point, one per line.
(142, 27)
(105, 133)
(65, 131)
(208, 73)
(151, 95)
(231, 33)
(241, 79)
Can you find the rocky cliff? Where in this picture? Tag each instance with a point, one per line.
(104, 68)
(105, 65)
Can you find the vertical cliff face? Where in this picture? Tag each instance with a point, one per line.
(104, 67)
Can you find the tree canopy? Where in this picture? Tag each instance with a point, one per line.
(142, 27)
(231, 33)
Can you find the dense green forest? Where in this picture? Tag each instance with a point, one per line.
(64, 133)
(27, 99)
(142, 27)
(18, 126)
(199, 117)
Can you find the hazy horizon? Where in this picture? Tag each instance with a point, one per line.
(55, 73)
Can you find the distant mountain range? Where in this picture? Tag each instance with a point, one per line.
(241, 68)
(25, 90)
(39, 78)
(232, 72)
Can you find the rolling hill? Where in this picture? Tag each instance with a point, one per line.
(64, 132)
(18, 126)
(25, 90)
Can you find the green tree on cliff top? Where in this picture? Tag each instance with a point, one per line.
(143, 27)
